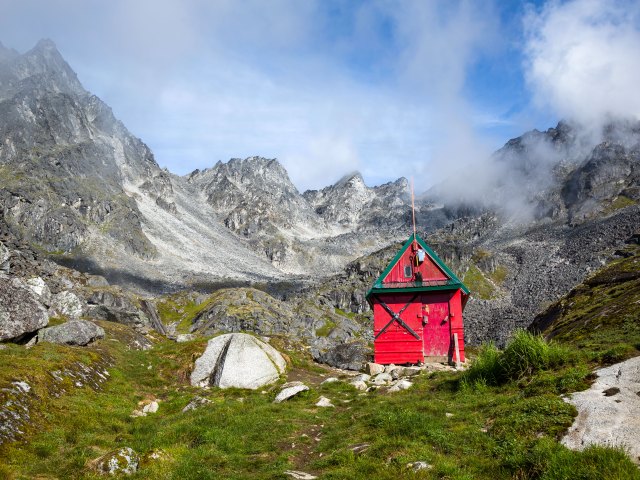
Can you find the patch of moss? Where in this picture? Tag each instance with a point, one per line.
(621, 201)
(499, 274)
(326, 329)
(478, 284)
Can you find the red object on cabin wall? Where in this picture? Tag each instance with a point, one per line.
(417, 309)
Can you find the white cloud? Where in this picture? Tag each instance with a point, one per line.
(374, 86)
(583, 59)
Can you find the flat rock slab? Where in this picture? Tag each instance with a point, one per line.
(609, 412)
(238, 360)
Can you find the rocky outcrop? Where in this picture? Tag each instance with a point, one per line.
(609, 410)
(73, 332)
(21, 312)
(238, 360)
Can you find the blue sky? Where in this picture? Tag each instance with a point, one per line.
(391, 88)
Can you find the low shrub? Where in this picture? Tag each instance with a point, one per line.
(525, 355)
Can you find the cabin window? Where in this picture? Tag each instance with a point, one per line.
(407, 271)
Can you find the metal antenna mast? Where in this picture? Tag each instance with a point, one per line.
(413, 211)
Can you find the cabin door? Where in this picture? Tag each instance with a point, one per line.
(436, 333)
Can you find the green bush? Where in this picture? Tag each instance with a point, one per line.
(525, 355)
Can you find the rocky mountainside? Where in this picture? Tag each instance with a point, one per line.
(560, 206)
(301, 233)
(521, 230)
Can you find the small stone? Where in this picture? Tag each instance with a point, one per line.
(374, 368)
(610, 392)
(400, 385)
(359, 448)
(123, 461)
(185, 337)
(359, 385)
(389, 367)
(330, 380)
(196, 402)
(382, 379)
(363, 377)
(448, 415)
(299, 475)
(324, 402)
(287, 393)
(417, 466)
(151, 407)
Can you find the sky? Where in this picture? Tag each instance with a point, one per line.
(389, 88)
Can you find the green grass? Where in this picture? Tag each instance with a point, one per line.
(496, 430)
(181, 308)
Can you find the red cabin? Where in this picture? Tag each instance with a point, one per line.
(417, 307)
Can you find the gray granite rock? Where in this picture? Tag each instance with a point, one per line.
(238, 360)
(73, 332)
(21, 312)
(67, 303)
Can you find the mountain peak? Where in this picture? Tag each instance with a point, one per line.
(350, 180)
(46, 44)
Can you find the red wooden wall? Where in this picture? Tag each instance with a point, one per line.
(444, 318)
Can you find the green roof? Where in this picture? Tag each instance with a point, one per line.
(453, 282)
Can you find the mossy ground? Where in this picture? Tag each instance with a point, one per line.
(464, 430)
(601, 317)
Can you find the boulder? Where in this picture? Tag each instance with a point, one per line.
(123, 461)
(37, 286)
(67, 303)
(21, 312)
(348, 356)
(73, 332)
(238, 360)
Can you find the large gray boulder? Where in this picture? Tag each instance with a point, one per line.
(20, 310)
(238, 360)
(73, 332)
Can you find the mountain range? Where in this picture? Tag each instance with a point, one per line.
(521, 229)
